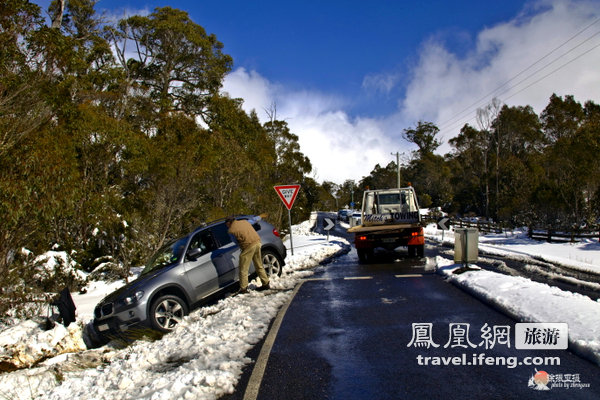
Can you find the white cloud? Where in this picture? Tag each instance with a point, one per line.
(381, 82)
(339, 148)
(258, 93)
(441, 85)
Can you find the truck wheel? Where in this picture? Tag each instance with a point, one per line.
(166, 312)
(362, 256)
(416, 250)
(412, 251)
(365, 255)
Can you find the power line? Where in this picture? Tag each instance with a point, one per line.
(526, 69)
(550, 73)
(527, 87)
(460, 122)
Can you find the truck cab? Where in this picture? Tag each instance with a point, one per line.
(390, 206)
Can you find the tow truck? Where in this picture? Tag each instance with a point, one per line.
(390, 219)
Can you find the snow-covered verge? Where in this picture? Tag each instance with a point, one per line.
(202, 359)
(28, 342)
(528, 301)
(582, 256)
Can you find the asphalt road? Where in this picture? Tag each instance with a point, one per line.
(346, 334)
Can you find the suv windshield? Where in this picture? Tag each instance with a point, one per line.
(166, 255)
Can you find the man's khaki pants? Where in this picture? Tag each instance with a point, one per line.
(252, 253)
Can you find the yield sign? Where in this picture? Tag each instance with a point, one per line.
(288, 194)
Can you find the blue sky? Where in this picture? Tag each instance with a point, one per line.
(350, 76)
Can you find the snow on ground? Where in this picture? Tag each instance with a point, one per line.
(583, 256)
(204, 357)
(528, 301)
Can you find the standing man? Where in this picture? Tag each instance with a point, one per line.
(246, 237)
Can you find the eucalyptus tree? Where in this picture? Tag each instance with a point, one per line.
(427, 171)
(423, 135)
(172, 71)
(22, 113)
(470, 177)
(52, 81)
(571, 166)
(562, 117)
(381, 177)
(290, 166)
(83, 91)
(240, 158)
(173, 60)
(519, 159)
(328, 196)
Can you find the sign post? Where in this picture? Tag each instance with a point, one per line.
(442, 224)
(327, 225)
(288, 195)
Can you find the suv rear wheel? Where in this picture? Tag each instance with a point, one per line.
(271, 263)
(166, 312)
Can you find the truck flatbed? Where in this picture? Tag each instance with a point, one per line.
(379, 228)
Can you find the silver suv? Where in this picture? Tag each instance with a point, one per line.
(181, 276)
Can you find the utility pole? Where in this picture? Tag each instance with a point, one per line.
(397, 166)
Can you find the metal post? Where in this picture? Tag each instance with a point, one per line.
(397, 166)
(291, 241)
(466, 248)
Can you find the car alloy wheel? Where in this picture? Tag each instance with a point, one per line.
(167, 312)
(271, 263)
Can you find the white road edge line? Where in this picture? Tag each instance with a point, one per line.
(258, 372)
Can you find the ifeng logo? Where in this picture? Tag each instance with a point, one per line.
(539, 381)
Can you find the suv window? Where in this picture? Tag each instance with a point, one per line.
(220, 232)
(204, 241)
(166, 255)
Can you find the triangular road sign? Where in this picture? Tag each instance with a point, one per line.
(288, 194)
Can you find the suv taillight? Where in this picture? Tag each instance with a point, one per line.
(275, 232)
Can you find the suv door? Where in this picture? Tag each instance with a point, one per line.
(199, 265)
(229, 252)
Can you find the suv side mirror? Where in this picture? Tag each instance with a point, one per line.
(193, 254)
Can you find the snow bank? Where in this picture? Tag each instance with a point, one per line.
(29, 342)
(528, 301)
(581, 256)
(202, 358)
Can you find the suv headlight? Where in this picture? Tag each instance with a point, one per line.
(133, 297)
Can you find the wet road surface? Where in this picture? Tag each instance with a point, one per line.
(346, 335)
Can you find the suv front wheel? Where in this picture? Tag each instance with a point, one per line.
(271, 263)
(166, 312)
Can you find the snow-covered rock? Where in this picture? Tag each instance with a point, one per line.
(29, 342)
